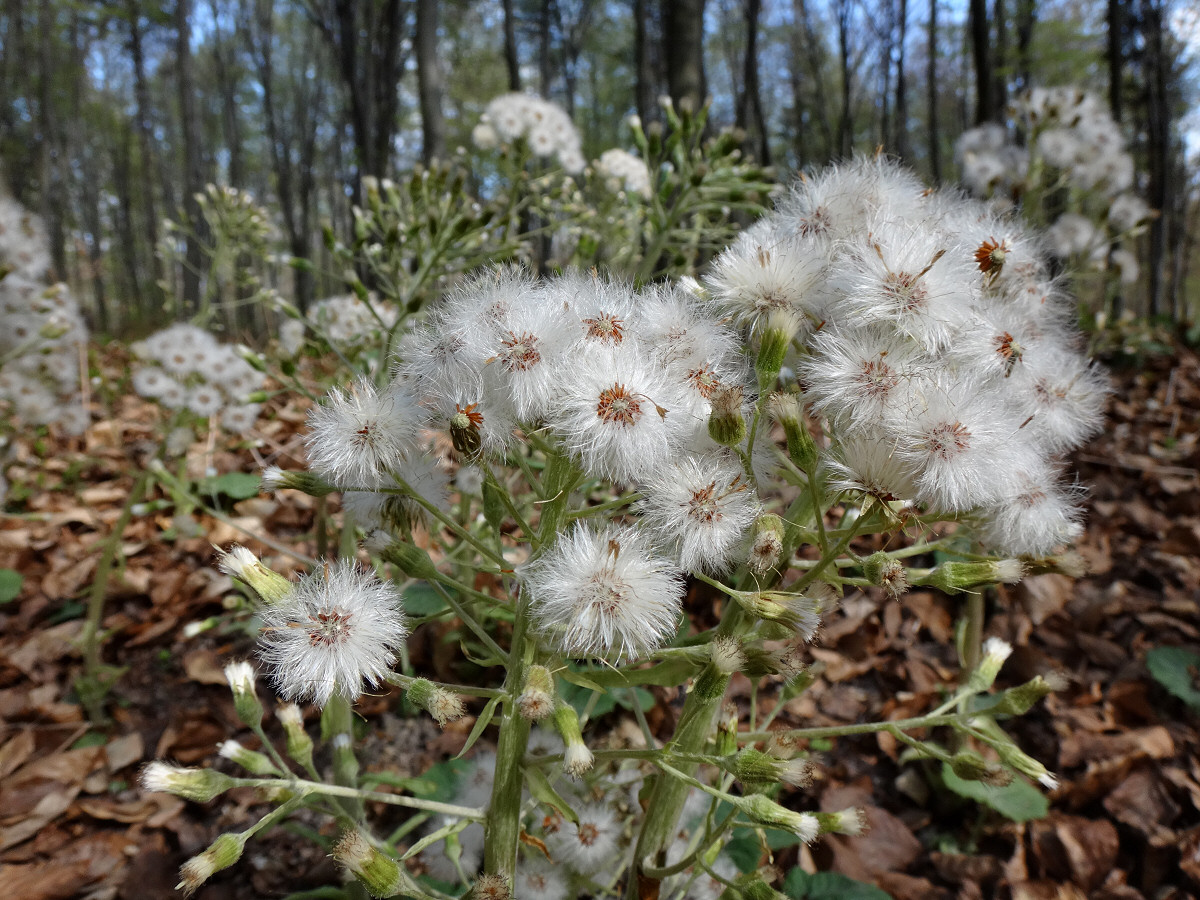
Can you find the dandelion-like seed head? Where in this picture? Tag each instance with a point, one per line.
(341, 626)
(604, 594)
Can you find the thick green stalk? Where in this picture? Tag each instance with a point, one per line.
(502, 828)
(668, 794)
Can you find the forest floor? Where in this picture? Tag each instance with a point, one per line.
(1124, 822)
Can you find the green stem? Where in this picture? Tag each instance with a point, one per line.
(94, 683)
(502, 828)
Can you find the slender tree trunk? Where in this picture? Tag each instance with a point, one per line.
(645, 89)
(932, 87)
(1026, 19)
(53, 193)
(429, 82)
(1158, 148)
(227, 85)
(683, 49)
(1001, 61)
(749, 109)
(193, 164)
(903, 147)
(545, 48)
(511, 60)
(148, 158)
(845, 144)
(985, 79)
(1115, 56)
(127, 244)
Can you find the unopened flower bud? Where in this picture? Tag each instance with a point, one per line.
(1013, 756)
(1019, 700)
(240, 563)
(798, 612)
(299, 744)
(221, 854)
(802, 449)
(726, 424)
(727, 731)
(537, 699)
(995, 652)
(754, 769)
(378, 872)
(411, 560)
(850, 821)
(344, 760)
(199, 785)
(577, 758)
(251, 760)
(765, 811)
(772, 348)
(494, 508)
(970, 766)
(275, 479)
(955, 577)
(753, 887)
(241, 678)
(767, 545)
(440, 703)
(887, 572)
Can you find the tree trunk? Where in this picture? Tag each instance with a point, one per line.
(1115, 55)
(683, 49)
(903, 148)
(193, 164)
(749, 109)
(985, 77)
(646, 87)
(1001, 61)
(845, 142)
(227, 85)
(1026, 19)
(148, 158)
(545, 46)
(511, 59)
(1158, 148)
(429, 82)
(931, 79)
(53, 206)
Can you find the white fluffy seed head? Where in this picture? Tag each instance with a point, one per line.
(340, 626)
(604, 594)
(359, 435)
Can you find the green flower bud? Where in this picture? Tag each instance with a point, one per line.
(787, 410)
(887, 572)
(767, 546)
(299, 744)
(411, 560)
(995, 652)
(1013, 756)
(1019, 700)
(221, 854)
(577, 758)
(275, 479)
(710, 684)
(726, 424)
(955, 577)
(241, 678)
(378, 872)
(199, 785)
(727, 731)
(764, 811)
(852, 821)
(537, 699)
(240, 563)
(440, 703)
(251, 760)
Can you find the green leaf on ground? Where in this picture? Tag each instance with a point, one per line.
(1178, 670)
(10, 585)
(799, 885)
(1018, 800)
